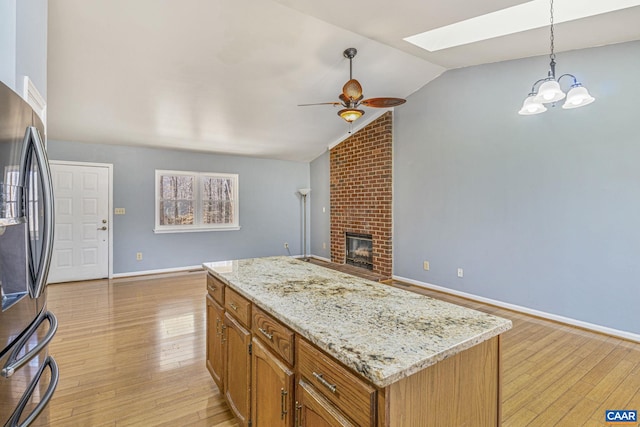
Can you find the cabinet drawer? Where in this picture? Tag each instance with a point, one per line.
(238, 306)
(349, 393)
(273, 333)
(215, 288)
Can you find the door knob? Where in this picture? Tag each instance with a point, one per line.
(104, 221)
(104, 227)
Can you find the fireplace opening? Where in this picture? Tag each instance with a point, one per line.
(359, 250)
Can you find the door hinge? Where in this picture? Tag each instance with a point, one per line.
(250, 348)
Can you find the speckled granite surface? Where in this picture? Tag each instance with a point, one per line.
(384, 333)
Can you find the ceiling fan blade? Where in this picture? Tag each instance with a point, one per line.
(320, 103)
(352, 89)
(383, 102)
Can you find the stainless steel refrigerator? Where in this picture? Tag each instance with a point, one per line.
(28, 374)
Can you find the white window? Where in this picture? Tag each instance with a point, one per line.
(196, 201)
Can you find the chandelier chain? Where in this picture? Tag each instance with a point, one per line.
(552, 37)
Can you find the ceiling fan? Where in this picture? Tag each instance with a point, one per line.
(351, 96)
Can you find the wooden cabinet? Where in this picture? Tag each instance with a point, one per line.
(237, 377)
(216, 289)
(272, 384)
(313, 410)
(343, 389)
(215, 336)
(272, 377)
(238, 306)
(275, 335)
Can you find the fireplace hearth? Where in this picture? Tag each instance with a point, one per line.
(359, 250)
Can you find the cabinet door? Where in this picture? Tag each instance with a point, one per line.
(237, 379)
(215, 350)
(271, 389)
(313, 410)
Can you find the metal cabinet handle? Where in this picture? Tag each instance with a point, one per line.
(298, 414)
(13, 362)
(332, 387)
(235, 307)
(218, 326)
(283, 403)
(266, 334)
(26, 397)
(222, 333)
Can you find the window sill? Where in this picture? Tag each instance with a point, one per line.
(193, 229)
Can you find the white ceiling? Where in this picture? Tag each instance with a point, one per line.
(226, 76)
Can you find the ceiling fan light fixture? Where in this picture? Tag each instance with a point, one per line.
(350, 114)
(351, 96)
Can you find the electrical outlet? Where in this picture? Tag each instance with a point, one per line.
(425, 265)
(139, 256)
(460, 272)
(286, 245)
(119, 211)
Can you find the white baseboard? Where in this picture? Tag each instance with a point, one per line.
(549, 316)
(159, 271)
(320, 258)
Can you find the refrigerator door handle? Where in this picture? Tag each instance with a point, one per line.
(13, 362)
(46, 397)
(40, 152)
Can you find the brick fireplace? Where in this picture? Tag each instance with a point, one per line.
(361, 192)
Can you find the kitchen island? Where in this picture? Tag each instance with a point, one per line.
(360, 352)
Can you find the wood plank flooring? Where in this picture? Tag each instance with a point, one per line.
(131, 353)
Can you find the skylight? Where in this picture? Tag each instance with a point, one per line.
(523, 17)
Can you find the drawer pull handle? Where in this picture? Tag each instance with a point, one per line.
(327, 384)
(266, 334)
(298, 414)
(235, 307)
(283, 403)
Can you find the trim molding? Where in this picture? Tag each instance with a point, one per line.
(159, 271)
(537, 313)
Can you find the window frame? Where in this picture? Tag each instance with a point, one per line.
(198, 226)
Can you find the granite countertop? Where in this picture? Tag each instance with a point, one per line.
(379, 331)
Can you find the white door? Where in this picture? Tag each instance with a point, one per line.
(81, 244)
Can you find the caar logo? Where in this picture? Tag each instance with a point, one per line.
(621, 416)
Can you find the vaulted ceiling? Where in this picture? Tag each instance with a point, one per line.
(226, 76)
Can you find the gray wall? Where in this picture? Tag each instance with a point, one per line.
(8, 42)
(31, 43)
(23, 43)
(320, 221)
(541, 211)
(270, 208)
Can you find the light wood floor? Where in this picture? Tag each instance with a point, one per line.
(131, 352)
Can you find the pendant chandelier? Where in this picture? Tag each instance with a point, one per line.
(548, 91)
